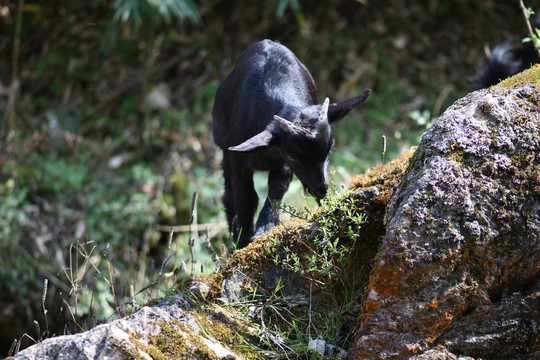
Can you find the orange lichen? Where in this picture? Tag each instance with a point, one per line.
(384, 283)
(412, 348)
(434, 304)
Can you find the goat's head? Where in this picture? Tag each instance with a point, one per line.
(306, 146)
(305, 141)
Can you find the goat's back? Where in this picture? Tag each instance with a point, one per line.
(267, 78)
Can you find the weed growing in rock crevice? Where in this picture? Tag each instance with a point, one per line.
(334, 233)
(321, 255)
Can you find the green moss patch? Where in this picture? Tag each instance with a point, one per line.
(175, 342)
(529, 76)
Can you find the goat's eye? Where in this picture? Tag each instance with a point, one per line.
(292, 159)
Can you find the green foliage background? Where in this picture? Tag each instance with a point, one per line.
(89, 170)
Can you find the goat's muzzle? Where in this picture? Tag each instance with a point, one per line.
(319, 192)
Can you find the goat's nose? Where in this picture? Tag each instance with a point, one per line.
(320, 191)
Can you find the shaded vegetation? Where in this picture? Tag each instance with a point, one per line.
(108, 135)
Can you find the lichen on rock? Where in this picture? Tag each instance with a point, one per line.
(462, 234)
(168, 329)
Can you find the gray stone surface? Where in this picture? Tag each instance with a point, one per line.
(129, 337)
(459, 265)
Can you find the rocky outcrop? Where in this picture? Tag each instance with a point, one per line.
(457, 272)
(451, 273)
(167, 330)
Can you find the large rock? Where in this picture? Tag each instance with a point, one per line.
(457, 272)
(166, 330)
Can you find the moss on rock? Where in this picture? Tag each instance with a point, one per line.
(530, 76)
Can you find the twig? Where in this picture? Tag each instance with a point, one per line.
(75, 278)
(309, 313)
(169, 255)
(193, 220)
(12, 348)
(215, 228)
(211, 250)
(440, 99)
(16, 345)
(73, 316)
(197, 227)
(155, 282)
(15, 67)
(43, 297)
(9, 114)
(193, 216)
(40, 267)
(38, 330)
(161, 271)
(383, 151)
(111, 284)
(75, 281)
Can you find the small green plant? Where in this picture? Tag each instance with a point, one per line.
(293, 211)
(285, 324)
(153, 14)
(338, 223)
(321, 258)
(534, 34)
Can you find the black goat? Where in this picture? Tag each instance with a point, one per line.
(505, 60)
(266, 117)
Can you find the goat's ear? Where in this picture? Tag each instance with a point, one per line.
(338, 110)
(261, 140)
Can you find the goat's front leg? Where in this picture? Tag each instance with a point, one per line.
(228, 197)
(278, 183)
(245, 204)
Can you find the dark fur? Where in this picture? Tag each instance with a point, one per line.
(505, 60)
(269, 80)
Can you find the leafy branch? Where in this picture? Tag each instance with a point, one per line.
(534, 35)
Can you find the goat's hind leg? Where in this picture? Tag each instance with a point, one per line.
(278, 183)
